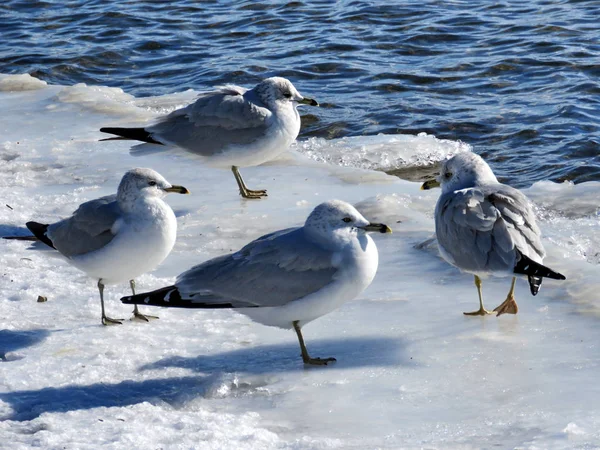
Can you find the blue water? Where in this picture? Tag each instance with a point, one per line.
(519, 81)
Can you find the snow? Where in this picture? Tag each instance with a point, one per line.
(412, 371)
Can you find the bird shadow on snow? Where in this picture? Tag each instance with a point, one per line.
(13, 230)
(350, 353)
(216, 373)
(12, 340)
(16, 231)
(176, 391)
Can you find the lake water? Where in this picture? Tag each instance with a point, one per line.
(519, 82)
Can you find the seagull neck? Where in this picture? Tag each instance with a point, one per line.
(282, 110)
(141, 205)
(471, 183)
(332, 241)
(288, 118)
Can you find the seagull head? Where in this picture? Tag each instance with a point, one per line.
(338, 221)
(464, 170)
(280, 92)
(138, 183)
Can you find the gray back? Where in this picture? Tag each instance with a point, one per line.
(88, 229)
(482, 228)
(273, 270)
(214, 122)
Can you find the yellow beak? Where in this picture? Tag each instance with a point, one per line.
(430, 184)
(177, 189)
(308, 101)
(379, 227)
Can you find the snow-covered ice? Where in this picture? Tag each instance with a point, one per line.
(412, 371)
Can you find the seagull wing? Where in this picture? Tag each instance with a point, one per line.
(273, 270)
(88, 229)
(215, 122)
(485, 229)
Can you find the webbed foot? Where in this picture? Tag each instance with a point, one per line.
(479, 312)
(108, 321)
(508, 306)
(318, 361)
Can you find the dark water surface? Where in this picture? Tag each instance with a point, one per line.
(518, 80)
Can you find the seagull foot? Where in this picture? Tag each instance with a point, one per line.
(248, 193)
(318, 361)
(480, 312)
(508, 306)
(139, 317)
(108, 321)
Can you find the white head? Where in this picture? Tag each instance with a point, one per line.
(465, 170)
(138, 183)
(277, 92)
(338, 221)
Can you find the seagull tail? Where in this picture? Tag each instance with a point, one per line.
(170, 297)
(135, 134)
(39, 230)
(535, 272)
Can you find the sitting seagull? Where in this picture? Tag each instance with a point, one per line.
(483, 226)
(118, 237)
(231, 126)
(287, 278)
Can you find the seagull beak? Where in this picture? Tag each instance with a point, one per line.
(177, 189)
(380, 227)
(308, 101)
(430, 184)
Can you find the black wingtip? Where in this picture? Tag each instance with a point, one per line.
(534, 284)
(170, 297)
(167, 296)
(39, 231)
(535, 271)
(135, 134)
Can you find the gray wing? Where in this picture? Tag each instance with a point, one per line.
(484, 229)
(88, 229)
(214, 122)
(273, 270)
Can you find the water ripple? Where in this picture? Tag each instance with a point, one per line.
(517, 81)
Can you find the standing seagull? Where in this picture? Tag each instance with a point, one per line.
(287, 278)
(118, 237)
(483, 226)
(231, 127)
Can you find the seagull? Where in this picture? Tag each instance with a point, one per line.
(486, 227)
(118, 237)
(230, 127)
(287, 278)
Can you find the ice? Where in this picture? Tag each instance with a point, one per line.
(22, 82)
(412, 371)
(411, 157)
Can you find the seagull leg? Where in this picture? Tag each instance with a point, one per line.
(305, 356)
(481, 311)
(244, 191)
(105, 319)
(508, 306)
(137, 315)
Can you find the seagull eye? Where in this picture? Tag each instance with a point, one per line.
(287, 94)
(347, 219)
(152, 183)
(448, 175)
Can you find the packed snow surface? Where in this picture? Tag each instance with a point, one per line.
(411, 371)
